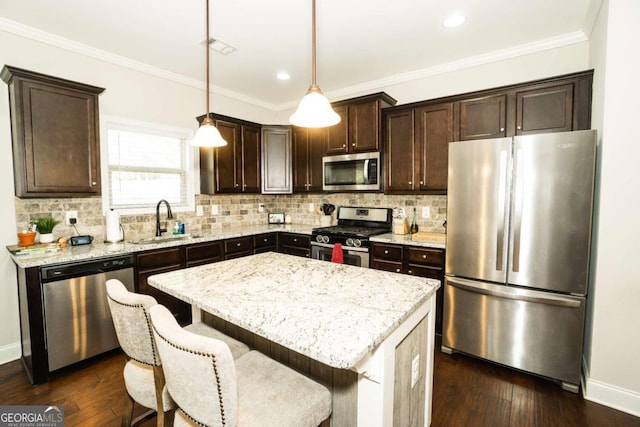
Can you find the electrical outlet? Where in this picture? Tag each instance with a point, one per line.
(312, 207)
(214, 209)
(261, 207)
(199, 210)
(68, 215)
(415, 370)
(426, 212)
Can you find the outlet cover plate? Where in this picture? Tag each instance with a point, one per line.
(70, 214)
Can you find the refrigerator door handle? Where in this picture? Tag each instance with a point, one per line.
(502, 291)
(518, 200)
(502, 207)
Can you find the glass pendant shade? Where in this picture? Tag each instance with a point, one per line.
(208, 135)
(314, 111)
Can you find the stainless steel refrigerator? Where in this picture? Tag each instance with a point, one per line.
(519, 213)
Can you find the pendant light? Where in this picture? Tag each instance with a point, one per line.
(314, 110)
(207, 134)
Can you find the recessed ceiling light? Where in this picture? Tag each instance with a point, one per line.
(219, 46)
(283, 75)
(454, 20)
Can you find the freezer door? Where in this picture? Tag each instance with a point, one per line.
(477, 209)
(538, 332)
(551, 211)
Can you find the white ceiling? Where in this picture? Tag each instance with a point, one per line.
(361, 43)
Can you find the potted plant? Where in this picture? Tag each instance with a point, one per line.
(44, 226)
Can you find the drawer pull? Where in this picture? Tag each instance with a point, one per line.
(397, 270)
(295, 240)
(410, 271)
(386, 252)
(238, 244)
(424, 257)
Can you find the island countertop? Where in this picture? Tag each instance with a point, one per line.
(333, 313)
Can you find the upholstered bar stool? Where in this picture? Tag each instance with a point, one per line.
(212, 389)
(143, 375)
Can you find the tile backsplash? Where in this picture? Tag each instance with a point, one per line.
(232, 210)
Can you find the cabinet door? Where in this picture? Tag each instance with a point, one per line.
(339, 134)
(250, 169)
(276, 159)
(300, 156)
(399, 152)
(61, 145)
(227, 158)
(364, 127)
(434, 132)
(544, 110)
(482, 118)
(317, 149)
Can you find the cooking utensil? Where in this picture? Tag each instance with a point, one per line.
(328, 208)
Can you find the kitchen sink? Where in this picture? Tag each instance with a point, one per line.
(161, 239)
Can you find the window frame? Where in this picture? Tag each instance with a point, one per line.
(191, 164)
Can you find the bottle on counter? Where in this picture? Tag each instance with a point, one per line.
(414, 223)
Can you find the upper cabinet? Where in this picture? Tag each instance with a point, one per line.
(236, 167)
(417, 135)
(309, 147)
(55, 135)
(359, 127)
(276, 160)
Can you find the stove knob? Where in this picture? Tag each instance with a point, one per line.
(349, 241)
(325, 239)
(319, 238)
(357, 243)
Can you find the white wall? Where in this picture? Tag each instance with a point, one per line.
(613, 376)
(131, 94)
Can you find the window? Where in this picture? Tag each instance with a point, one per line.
(143, 164)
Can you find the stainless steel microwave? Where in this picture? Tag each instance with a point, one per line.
(351, 172)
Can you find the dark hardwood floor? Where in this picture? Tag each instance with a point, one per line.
(467, 392)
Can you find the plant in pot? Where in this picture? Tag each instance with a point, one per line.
(44, 226)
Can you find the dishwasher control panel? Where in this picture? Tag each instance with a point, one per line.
(83, 268)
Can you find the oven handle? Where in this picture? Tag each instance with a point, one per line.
(344, 248)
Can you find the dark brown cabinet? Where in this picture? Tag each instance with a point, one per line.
(417, 135)
(359, 127)
(265, 243)
(277, 176)
(236, 167)
(417, 148)
(308, 149)
(55, 135)
(236, 248)
(483, 117)
(547, 109)
(294, 244)
(204, 253)
(415, 260)
(159, 261)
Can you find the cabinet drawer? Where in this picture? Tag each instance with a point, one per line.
(241, 244)
(298, 240)
(423, 256)
(171, 257)
(292, 250)
(204, 252)
(394, 267)
(388, 252)
(428, 272)
(264, 240)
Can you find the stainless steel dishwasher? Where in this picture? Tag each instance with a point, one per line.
(78, 322)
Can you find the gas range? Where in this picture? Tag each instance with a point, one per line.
(355, 226)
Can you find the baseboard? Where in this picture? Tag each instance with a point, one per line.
(9, 353)
(609, 395)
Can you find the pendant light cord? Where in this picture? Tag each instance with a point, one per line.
(207, 60)
(313, 44)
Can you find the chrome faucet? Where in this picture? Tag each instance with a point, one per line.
(160, 230)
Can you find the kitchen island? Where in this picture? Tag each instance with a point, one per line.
(368, 335)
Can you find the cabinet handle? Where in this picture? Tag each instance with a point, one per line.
(501, 129)
(344, 145)
(410, 182)
(238, 244)
(386, 252)
(295, 240)
(353, 144)
(410, 272)
(265, 240)
(424, 257)
(94, 183)
(397, 270)
(519, 127)
(421, 182)
(236, 185)
(245, 185)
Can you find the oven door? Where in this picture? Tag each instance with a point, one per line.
(351, 256)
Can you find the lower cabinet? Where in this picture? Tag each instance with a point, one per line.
(159, 261)
(295, 244)
(204, 253)
(414, 260)
(265, 243)
(236, 248)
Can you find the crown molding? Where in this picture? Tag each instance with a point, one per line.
(102, 55)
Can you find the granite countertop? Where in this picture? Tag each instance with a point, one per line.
(333, 313)
(101, 250)
(436, 242)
